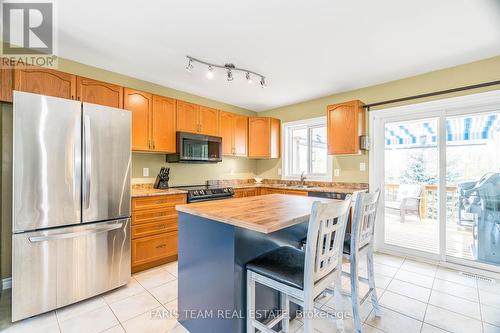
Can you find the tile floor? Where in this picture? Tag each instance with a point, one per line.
(415, 297)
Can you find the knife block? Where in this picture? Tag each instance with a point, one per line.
(161, 183)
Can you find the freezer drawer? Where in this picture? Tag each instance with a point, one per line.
(57, 267)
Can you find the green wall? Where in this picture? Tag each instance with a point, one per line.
(463, 75)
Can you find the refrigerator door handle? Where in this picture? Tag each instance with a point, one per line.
(87, 161)
(65, 235)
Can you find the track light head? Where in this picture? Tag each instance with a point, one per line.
(190, 66)
(210, 73)
(230, 75)
(248, 77)
(263, 82)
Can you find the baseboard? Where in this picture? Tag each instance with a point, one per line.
(6, 283)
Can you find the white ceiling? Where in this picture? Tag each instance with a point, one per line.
(305, 48)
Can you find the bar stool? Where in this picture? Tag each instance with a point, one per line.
(359, 243)
(301, 276)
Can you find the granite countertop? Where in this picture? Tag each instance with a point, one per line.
(263, 213)
(299, 188)
(148, 191)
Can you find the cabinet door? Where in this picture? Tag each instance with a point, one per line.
(187, 117)
(98, 92)
(275, 139)
(163, 124)
(152, 248)
(45, 82)
(6, 78)
(227, 132)
(259, 135)
(209, 121)
(345, 125)
(140, 104)
(240, 135)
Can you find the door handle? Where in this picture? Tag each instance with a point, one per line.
(66, 235)
(87, 161)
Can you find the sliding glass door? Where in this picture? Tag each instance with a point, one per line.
(438, 165)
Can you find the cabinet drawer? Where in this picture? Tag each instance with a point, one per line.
(149, 229)
(295, 192)
(152, 248)
(160, 201)
(153, 215)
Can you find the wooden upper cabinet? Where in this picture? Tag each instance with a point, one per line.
(227, 132)
(98, 92)
(240, 135)
(263, 137)
(45, 82)
(163, 124)
(234, 133)
(346, 123)
(140, 104)
(187, 117)
(6, 82)
(209, 121)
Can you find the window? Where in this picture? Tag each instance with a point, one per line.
(306, 149)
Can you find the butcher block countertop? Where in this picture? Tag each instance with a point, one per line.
(264, 213)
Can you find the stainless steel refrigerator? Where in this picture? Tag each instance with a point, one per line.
(70, 202)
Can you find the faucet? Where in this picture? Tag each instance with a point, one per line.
(302, 178)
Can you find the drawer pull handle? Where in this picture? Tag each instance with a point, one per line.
(161, 246)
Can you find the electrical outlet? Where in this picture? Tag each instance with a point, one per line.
(145, 172)
(362, 166)
(337, 173)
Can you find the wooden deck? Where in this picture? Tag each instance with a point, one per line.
(424, 236)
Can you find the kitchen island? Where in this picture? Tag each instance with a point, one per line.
(216, 240)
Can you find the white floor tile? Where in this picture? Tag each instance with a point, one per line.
(456, 289)
(115, 329)
(405, 305)
(415, 278)
(489, 287)
(384, 270)
(394, 322)
(491, 314)
(93, 321)
(454, 276)
(80, 308)
(44, 323)
(487, 328)
(388, 260)
(455, 304)
(134, 306)
(409, 290)
(180, 329)
(166, 292)
(154, 277)
(419, 267)
(489, 298)
(426, 328)
(171, 306)
(150, 322)
(172, 268)
(131, 289)
(451, 321)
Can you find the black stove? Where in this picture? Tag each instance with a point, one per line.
(199, 193)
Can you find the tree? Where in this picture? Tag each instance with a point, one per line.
(416, 172)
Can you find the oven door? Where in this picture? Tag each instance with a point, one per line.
(199, 148)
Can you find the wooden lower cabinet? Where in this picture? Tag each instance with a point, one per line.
(153, 248)
(154, 230)
(283, 191)
(246, 192)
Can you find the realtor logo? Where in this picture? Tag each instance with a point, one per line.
(27, 28)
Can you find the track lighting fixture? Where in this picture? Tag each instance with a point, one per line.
(248, 77)
(210, 73)
(229, 68)
(190, 66)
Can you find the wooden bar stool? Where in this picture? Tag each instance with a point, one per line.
(301, 276)
(357, 244)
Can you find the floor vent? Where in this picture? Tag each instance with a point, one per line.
(477, 277)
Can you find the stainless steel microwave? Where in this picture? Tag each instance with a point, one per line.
(197, 148)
